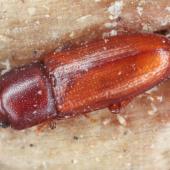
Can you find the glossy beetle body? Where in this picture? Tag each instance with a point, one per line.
(83, 79)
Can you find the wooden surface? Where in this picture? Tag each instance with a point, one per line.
(136, 139)
(29, 28)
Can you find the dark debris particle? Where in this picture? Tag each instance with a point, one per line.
(4, 125)
(119, 19)
(162, 32)
(75, 137)
(34, 52)
(124, 150)
(31, 145)
(52, 125)
(125, 133)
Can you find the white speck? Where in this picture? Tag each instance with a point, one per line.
(92, 146)
(7, 65)
(115, 11)
(113, 32)
(83, 18)
(119, 73)
(106, 121)
(45, 164)
(72, 34)
(150, 112)
(37, 22)
(110, 25)
(97, 159)
(35, 105)
(59, 107)
(150, 98)
(159, 98)
(55, 35)
(146, 27)
(164, 21)
(74, 161)
(104, 48)
(47, 15)
(32, 11)
(153, 111)
(58, 49)
(40, 92)
(116, 8)
(152, 90)
(81, 136)
(129, 164)
(152, 146)
(140, 10)
(66, 117)
(106, 41)
(17, 29)
(34, 112)
(121, 120)
(120, 156)
(111, 17)
(167, 8)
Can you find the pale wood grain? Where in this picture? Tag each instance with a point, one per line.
(29, 28)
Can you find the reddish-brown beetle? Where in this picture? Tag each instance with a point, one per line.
(83, 79)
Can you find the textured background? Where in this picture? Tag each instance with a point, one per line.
(136, 139)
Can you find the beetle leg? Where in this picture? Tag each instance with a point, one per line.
(116, 108)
